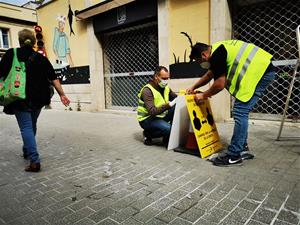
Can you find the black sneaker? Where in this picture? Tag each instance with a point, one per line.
(245, 154)
(227, 160)
(147, 138)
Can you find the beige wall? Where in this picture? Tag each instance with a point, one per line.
(78, 43)
(191, 16)
(220, 21)
(14, 12)
(79, 94)
(13, 32)
(205, 21)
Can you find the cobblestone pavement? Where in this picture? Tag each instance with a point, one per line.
(149, 185)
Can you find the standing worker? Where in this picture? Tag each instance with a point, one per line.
(39, 74)
(156, 107)
(245, 70)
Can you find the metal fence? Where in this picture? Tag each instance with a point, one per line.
(130, 57)
(272, 25)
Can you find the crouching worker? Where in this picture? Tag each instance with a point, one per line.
(156, 107)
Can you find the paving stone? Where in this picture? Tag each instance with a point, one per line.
(131, 221)
(184, 204)
(208, 186)
(100, 204)
(155, 221)
(171, 179)
(288, 216)
(85, 221)
(179, 221)
(217, 195)
(57, 215)
(215, 215)
(190, 186)
(61, 204)
(192, 214)
(206, 204)
(81, 204)
(227, 204)
(273, 203)
(107, 222)
(78, 215)
(146, 214)
(169, 214)
(204, 222)
(142, 203)
(237, 195)
(257, 194)
(42, 203)
(293, 203)
(264, 215)
(248, 204)
(253, 222)
(196, 195)
(124, 214)
(279, 222)
(157, 195)
(178, 194)
(101, 214)
(239, 215)
(163, 203)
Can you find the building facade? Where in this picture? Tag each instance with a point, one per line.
(12, 20)
(105, 51)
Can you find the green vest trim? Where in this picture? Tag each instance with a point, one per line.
(142, 112)
(246, 64)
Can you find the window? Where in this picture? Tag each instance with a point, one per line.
(4, 43)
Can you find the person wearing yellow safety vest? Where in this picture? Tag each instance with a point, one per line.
(156, 107)
(245, 70)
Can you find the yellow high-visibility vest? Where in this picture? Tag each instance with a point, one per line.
(159, 100)
(246, 64)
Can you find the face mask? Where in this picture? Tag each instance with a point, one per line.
(163, 83)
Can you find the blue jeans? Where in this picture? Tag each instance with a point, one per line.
(27, 123)
(241, 112)
(159, 127)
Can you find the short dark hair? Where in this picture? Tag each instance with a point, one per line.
(158, 69)
(197, 49)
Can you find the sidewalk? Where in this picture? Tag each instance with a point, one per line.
(149, 184)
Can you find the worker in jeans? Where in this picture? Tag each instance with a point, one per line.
(156, 107)
(245, 70)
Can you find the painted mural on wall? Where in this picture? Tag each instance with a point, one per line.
(64, 67)
(187, 68)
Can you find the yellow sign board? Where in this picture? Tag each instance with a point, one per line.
(204, 126)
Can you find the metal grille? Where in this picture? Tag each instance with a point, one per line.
(130, 57)
(272, 25)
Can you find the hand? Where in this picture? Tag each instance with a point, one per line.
(172, 103)
(190, 91)
(199, 97)
(64, 99)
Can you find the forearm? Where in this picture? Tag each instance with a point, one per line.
(148, 99)
(153, 111)
(58, 87)
(203, 80)
(215, 88)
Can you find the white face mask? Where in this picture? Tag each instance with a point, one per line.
(163, 83)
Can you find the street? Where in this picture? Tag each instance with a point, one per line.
(148, 184)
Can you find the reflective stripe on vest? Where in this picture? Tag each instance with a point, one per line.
(142, 112)
(246, 64)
